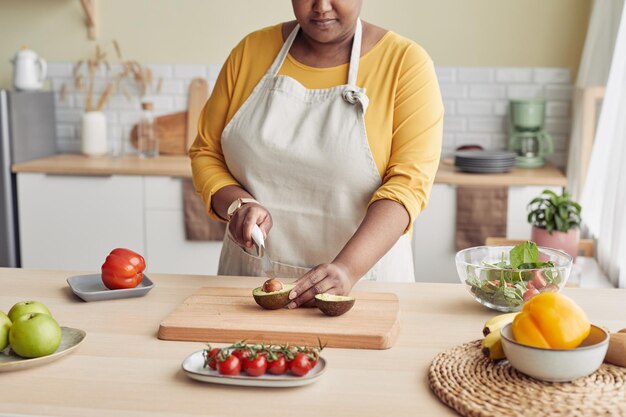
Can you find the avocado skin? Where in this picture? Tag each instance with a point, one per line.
(272, 300)
(334, 308)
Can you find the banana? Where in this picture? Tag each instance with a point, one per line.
(494, 324)
(492, 346)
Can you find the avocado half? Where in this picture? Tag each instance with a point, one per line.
(334, 305)
(272, 300)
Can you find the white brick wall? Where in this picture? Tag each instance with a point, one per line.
(121, 112)
(476, 102)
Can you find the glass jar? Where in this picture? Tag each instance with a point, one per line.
(147, 133)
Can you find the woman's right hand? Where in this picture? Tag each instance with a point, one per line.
(243, 220)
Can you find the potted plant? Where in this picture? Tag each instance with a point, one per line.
(556, 221)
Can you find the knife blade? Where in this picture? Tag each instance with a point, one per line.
(266, 262)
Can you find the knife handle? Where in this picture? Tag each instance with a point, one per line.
(257, 236)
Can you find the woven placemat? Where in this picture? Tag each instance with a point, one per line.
(464, 379)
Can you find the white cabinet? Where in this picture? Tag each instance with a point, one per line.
(435, 229)
(167, 249)
(73, 221)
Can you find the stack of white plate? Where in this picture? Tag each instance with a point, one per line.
(484, 161)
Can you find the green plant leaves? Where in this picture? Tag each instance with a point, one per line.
(553, 212)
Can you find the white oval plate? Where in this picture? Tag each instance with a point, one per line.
(70, 339)
(193, 366)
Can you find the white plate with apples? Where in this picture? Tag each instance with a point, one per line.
(70, 339)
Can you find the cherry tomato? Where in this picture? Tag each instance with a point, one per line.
(213, 354)
(255, 366)
(277, 366)
(529, 293)
(231, 365)
(300, 365)
(241, 354)
(538, 281)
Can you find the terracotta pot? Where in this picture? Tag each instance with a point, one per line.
(565, 241)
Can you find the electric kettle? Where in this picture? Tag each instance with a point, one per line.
(29, 70)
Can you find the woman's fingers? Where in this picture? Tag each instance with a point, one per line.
(243, 221)
(312, 283)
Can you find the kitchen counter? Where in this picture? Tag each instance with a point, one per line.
(179, 166)
(122, 369)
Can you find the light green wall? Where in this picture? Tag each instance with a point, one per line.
(542, 33)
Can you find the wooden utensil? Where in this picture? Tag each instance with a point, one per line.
(171, 129)
(198, 94)
(230, 314)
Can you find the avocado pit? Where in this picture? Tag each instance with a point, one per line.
(334, 305)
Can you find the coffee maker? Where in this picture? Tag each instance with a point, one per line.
(527, 137)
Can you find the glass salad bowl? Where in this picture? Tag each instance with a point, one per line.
(488, 273)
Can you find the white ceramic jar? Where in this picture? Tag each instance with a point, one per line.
(29, 70)
(94, 134)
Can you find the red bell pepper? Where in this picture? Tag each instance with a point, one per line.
(122, 269)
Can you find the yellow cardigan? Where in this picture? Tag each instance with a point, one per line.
(404, 119)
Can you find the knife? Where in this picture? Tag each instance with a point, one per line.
(266, 263)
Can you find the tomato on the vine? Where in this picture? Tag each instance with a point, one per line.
(231, 365)
(300, 365)
(212, 358)
(255, 366)
(242, 354)
(278, 366)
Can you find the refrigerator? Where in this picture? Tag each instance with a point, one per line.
(27, 132)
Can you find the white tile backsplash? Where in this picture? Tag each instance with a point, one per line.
(514, 75)
(476, 101)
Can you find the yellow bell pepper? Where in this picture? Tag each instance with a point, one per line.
(551, 321)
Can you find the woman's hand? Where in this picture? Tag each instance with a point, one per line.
(243, 220)
(333, 278)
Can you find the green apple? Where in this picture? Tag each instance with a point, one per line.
(26, 307)
(5, 325)
(35, 334)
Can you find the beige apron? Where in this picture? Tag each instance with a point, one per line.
(304, 155)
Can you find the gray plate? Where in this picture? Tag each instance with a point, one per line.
(90, 288)
(485, 154)
(485, 170)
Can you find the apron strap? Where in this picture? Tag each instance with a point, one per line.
(355, 55)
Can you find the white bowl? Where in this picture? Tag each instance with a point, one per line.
(557, 365)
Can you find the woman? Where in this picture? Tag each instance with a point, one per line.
(334, 177)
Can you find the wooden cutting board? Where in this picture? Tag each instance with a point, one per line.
(198, 95)
(172, 129)
(178, 130)
(228, 315)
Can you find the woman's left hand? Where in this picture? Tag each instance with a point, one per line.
(332, 278)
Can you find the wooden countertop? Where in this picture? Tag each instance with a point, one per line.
(122, 369)
(179, 166)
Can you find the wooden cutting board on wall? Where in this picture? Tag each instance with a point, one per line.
(178, 130)
(228, 315)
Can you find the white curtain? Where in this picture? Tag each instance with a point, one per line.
(592, 71)
(604, 193)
